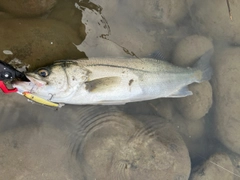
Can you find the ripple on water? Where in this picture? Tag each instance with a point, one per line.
(112, 145)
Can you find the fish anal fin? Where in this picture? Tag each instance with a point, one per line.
(183, 92)
(102, 84)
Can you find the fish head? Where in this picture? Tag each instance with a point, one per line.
(46, 82)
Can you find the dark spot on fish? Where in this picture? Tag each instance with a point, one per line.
(130, 82)
(73, 78)
(89, 86)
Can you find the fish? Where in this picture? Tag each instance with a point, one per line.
(114, 81)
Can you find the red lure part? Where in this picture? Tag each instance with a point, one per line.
(5, 89)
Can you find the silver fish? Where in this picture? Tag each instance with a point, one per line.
(116, 81)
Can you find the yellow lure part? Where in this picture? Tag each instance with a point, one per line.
(40, 100)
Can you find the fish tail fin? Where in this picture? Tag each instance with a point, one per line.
(203, 67)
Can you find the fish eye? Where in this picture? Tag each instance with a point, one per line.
(43, 72)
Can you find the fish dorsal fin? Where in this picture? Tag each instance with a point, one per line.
(103, 84)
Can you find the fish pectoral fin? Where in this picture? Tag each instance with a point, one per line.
(102, 84)
(183, 92)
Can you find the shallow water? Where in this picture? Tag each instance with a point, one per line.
(189, 138)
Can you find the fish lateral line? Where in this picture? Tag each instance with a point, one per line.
(120, 67)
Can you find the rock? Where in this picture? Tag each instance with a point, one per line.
(73, 17)
(32, 152)
(163, 107)
(217, 23)
(190, 49)
(218, 166)
(107, 36)
(137, 108)
(16, 111)
(161, 11)
(199, 149)
(135, 39)
(196, 106)
(226, 95)
(194, 136)
(187, 53)
(108, 8)
(112, 145)
(4, 15)
(196, 129)
(35, 42)
(190, 130)
(235, 158)
(96, 28)
(27, 7)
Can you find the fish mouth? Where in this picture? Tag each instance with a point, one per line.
(30, 86)
(37, 82)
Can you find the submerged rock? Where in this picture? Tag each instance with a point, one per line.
(27, 7)
(211, 18)
(196, 106)
(189, 49)
(115, 35)
(186, 53)
(112, 145)
(235, 158)
(35, 42)
(33, 152)
(218, 166)
(66, 12)
(161, 11)
(226, 95)
(190, 130)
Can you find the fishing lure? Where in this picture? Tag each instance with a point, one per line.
(8, 73)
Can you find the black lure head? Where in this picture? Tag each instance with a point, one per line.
(8, 72)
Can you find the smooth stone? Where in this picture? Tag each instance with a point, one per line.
(35, 43)
(27, 8)
(216, 23)
(218, 166)
(112, 145)
(226, 95)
